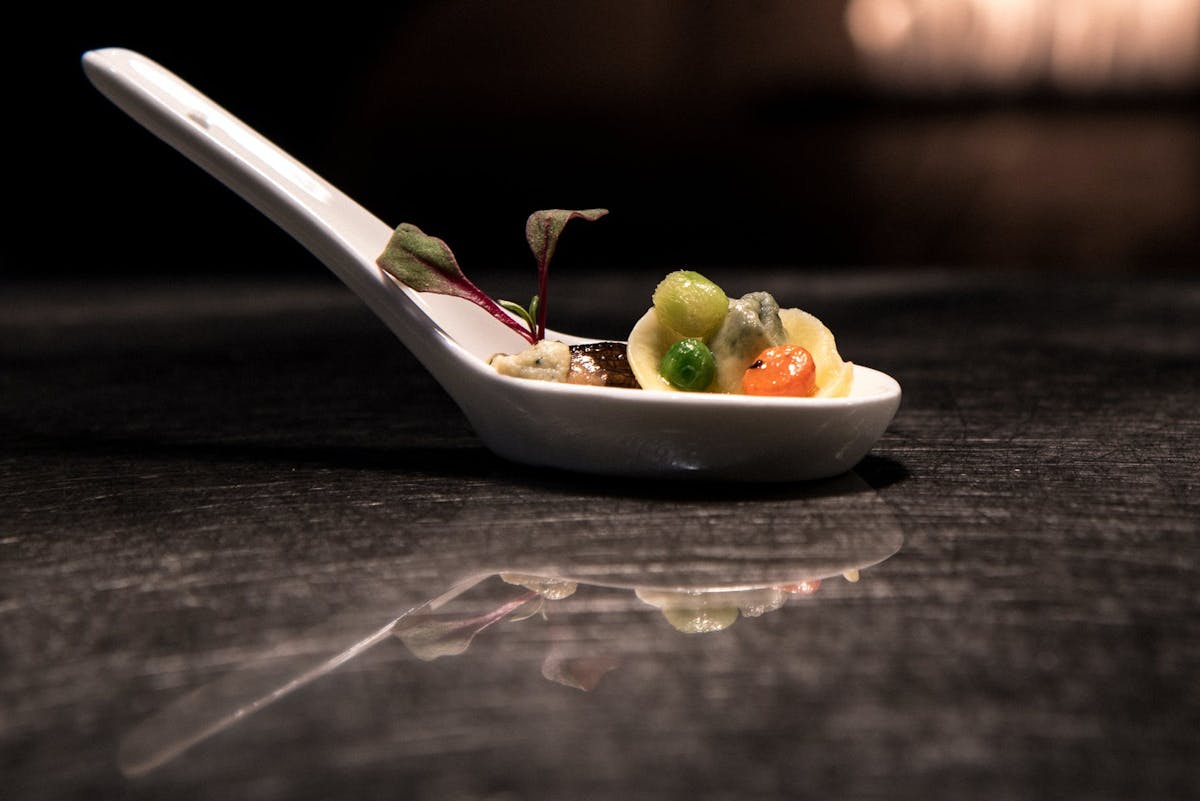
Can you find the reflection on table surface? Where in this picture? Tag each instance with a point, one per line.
(700, 583)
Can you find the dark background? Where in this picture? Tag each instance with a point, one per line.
(717, 134)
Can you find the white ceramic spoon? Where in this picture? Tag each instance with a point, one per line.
(589, 429)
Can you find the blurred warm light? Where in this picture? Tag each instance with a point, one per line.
(878, 26)
(1073, 45)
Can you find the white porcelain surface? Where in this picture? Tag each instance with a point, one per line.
(588, 429)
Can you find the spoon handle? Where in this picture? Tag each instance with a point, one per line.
(441, 332)
(341, 233)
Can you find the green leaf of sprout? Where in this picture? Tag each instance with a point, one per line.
(426, 264)
(542, 230)
(423, 262)
(520, 311)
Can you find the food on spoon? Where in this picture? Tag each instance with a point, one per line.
(693, 339)
(688, 365)
(756, 349)
(690, 304)
(546, 361)
(601, 364)
(784, 370)
(834, 376)
(597, 364)
(753, 325)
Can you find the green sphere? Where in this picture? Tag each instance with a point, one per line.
(688, 365)
(690, 304)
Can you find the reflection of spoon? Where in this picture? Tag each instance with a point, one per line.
(428, 635)
(214, 708)
(574, 427)
(677, 575)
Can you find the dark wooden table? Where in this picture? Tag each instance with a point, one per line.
(217, 485)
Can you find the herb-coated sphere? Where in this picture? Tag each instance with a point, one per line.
(690, 304)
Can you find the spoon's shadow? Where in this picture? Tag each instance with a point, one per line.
(466, 458)
(872, 473)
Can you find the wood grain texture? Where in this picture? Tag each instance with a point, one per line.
(199, 481)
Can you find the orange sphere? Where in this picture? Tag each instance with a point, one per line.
(784, 371)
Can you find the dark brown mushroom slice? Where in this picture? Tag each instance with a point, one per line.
(601, 364)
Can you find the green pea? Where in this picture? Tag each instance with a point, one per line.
(690, 304)
(688, 365)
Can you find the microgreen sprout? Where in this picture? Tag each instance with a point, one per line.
(542, 230)
(426, 264)
(529, 315)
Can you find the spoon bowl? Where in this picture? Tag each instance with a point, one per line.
(582, 428)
